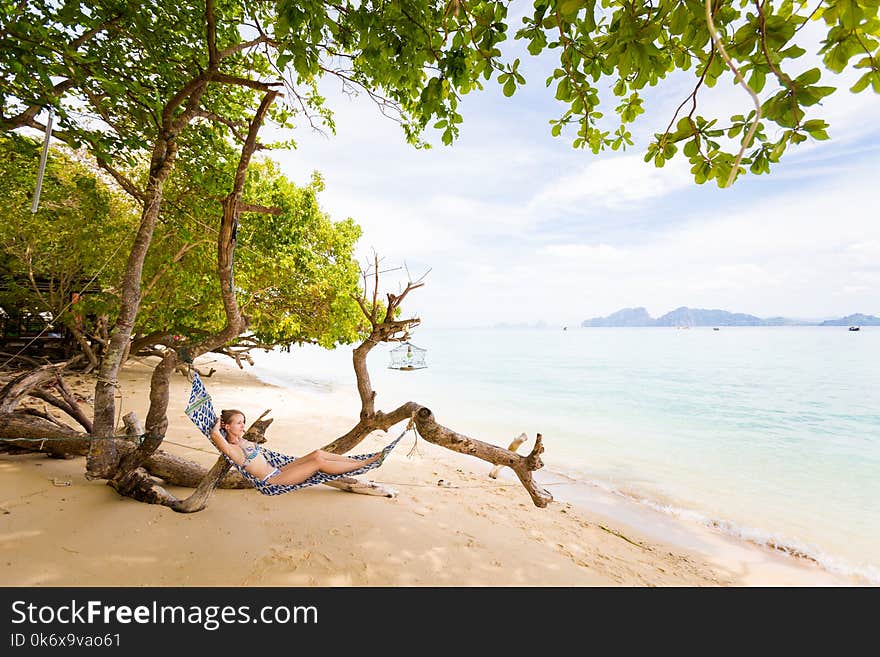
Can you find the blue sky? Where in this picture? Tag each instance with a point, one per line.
(516, 226)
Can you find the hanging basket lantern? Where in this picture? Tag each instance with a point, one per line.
(408, 357)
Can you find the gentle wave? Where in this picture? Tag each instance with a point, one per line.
(785, 545)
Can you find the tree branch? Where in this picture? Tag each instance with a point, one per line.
(435, 433)
(189, 89)
(244, 45)
(25, 117)
(212, 35)
(223, 78)
(716, 38)
(123, 181)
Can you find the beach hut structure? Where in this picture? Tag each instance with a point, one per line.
(408, 357)
(25, 330)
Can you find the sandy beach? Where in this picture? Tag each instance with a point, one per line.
(449, 524)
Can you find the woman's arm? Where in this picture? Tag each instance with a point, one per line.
(224, 445)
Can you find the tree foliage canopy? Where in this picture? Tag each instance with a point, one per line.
(48, 257)
(295, 271)
(140, 84)
(431, 53)
(417, 58)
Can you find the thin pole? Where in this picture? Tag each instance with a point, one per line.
(43, 157)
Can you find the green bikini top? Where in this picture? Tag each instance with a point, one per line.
(250, 453)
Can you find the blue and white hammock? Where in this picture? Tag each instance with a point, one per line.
(200, 410)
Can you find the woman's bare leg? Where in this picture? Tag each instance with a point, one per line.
(339, 458)
(328, 456)
(301, 469)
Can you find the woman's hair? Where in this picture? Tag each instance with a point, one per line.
(226, 415)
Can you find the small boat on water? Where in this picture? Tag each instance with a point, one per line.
(855, 328)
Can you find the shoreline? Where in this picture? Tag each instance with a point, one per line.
(749, 563)
(449, 525)
(665, 522)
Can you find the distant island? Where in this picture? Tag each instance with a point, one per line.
(685, 316)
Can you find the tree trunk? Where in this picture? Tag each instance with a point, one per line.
(127, 477)
(205, 488)
(102, 458)
(31, 433)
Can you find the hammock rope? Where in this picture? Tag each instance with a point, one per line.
(200, 410)
(138, 438)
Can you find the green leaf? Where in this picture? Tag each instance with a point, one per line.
(863, 82)
(569, 8)
(808, 77)
(563, 90)
(757, 80)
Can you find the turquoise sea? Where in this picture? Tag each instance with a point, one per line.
(771, 434)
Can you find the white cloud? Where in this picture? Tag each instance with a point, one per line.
(612, 183)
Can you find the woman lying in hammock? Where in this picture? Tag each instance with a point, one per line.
(248, 455)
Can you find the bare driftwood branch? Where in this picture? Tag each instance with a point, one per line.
(390, 329)
(18, 387)
(9, 359)
(36, 434)
(133, 424)
(73, 410)
(523, 466)
(513, 446)
(40, 414)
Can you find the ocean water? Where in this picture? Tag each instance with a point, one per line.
(771, 434)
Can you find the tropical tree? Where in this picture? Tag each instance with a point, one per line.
(295, 273)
